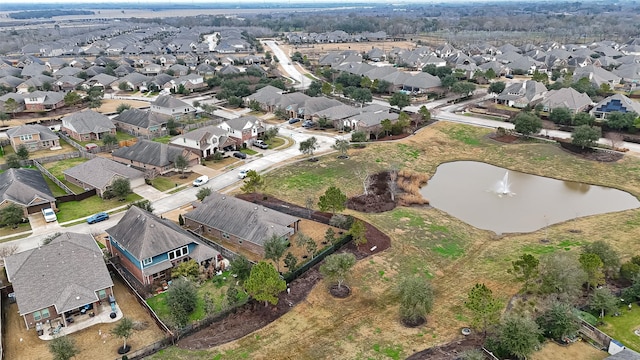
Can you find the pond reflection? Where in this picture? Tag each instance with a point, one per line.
(467, 190)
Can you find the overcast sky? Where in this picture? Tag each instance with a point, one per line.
(236, 1)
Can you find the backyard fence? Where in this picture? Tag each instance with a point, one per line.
(76, 197)
(594, 334)
(226, 253)
(53, 178)
(289, 277)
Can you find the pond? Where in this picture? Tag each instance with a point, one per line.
(493, 198)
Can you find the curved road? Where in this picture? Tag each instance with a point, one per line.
(302, 82)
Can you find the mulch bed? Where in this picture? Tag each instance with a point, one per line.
(378, 198)
(339, 292)
(506, 138)
(450, 350)
(253, 315)
(591, 154)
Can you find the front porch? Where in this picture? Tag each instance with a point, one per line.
(102, 315)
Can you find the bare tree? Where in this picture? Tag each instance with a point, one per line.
(309, 202)
(393, 181)
(363, 174)
(615, 138)
(6, 251)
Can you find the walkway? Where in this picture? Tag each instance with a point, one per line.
(82, 322)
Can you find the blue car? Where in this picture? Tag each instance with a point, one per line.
(97, 217)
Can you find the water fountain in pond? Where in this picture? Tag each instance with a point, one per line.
(503, 186)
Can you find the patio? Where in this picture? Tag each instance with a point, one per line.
(80, 322)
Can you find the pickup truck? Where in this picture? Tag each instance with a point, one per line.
(261, 144)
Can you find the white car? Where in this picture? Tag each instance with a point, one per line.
(201, 180)
(243, 173)
(49, 215)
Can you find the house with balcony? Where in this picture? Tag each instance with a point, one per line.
(149, 247)
(237, 223)
(54, 282)
(204, 141)
(243, 130)
(34, 137)
(87, 125)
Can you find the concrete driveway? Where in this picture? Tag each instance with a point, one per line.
(149, 192)
(39, 226)
(203, 170)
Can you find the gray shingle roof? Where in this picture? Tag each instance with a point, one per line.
(144, 235)
(241, 122)
(100, 172)
(241, 218)
(141, 118)
(566, 97)
(45, 132)
(168, 101)
(88, 121)
(626, 354)
(25, 187)
(149, 152)
(65, 273)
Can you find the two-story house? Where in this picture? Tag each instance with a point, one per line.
(87, 125)
(34, 137)
(204, 141)
(149, 247)
(168, 105)
(239, 223)
(43, 101)
(61, 277)
(522, 94)
(243, 130)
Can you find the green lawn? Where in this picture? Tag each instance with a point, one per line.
(275, 142)
(78, 209)
(216, 289)
(162, 183)
(621, 327)
(248, 151)
(8, 230)
(121, 136)
(56, 168)
(163, 139)
(55, 189)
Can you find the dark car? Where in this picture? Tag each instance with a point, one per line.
(308, 124)
(101, 216)
(293, 120)
(240, 155)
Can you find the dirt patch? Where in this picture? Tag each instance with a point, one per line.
(341, 292)
(450, 350)
(591, 154)
(253, 315)
(504, 138)
(405, 187)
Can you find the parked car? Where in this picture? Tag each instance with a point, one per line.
(293, 120)
(101, 216)
(49, 215)
(308, 124)
(243, 173)
(261, 144)
(201, 180)
(240, 155)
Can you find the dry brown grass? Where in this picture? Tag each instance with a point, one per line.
(410, 183)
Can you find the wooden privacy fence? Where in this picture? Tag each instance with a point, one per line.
(53, 178)
(594, 334)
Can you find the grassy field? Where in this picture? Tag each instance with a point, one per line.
(622, 327)
(429, 243)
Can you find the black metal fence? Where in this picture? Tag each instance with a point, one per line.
(289, 277)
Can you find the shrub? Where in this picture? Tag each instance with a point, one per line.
(341, 221)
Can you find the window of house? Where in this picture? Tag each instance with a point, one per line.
(45, 313)
(37, 316)
(26, 137)
(178, 252)
(102, 294)
(147, 261)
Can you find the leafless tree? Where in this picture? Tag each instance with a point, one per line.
(615, 138)
(6, 251)
(393, 181)
(309, 202)
(363, 174)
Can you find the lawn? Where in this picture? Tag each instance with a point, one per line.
(164, 183)
(248, 151)
(220, 164)
(621, 327)
(73, 210)
(276, 142)
(8, 230)
(215, 288)
(429, 243)
(163, 139)
(57, 167)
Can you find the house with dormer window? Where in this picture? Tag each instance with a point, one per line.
(148, 247)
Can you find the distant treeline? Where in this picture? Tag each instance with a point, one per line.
(47, 14)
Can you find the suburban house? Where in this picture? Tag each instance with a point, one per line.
(99, 173)
(614, 103)
(87, 125)
(27, 189)
(64, 276)
(168, 105)
(369, 121)
(522, 94)
(33, 137)
(149, 247)
(243, 130)
(140, 122)
(151, 155)
(239, 223)
(43, 101)
(568, 98)
(204, 141)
